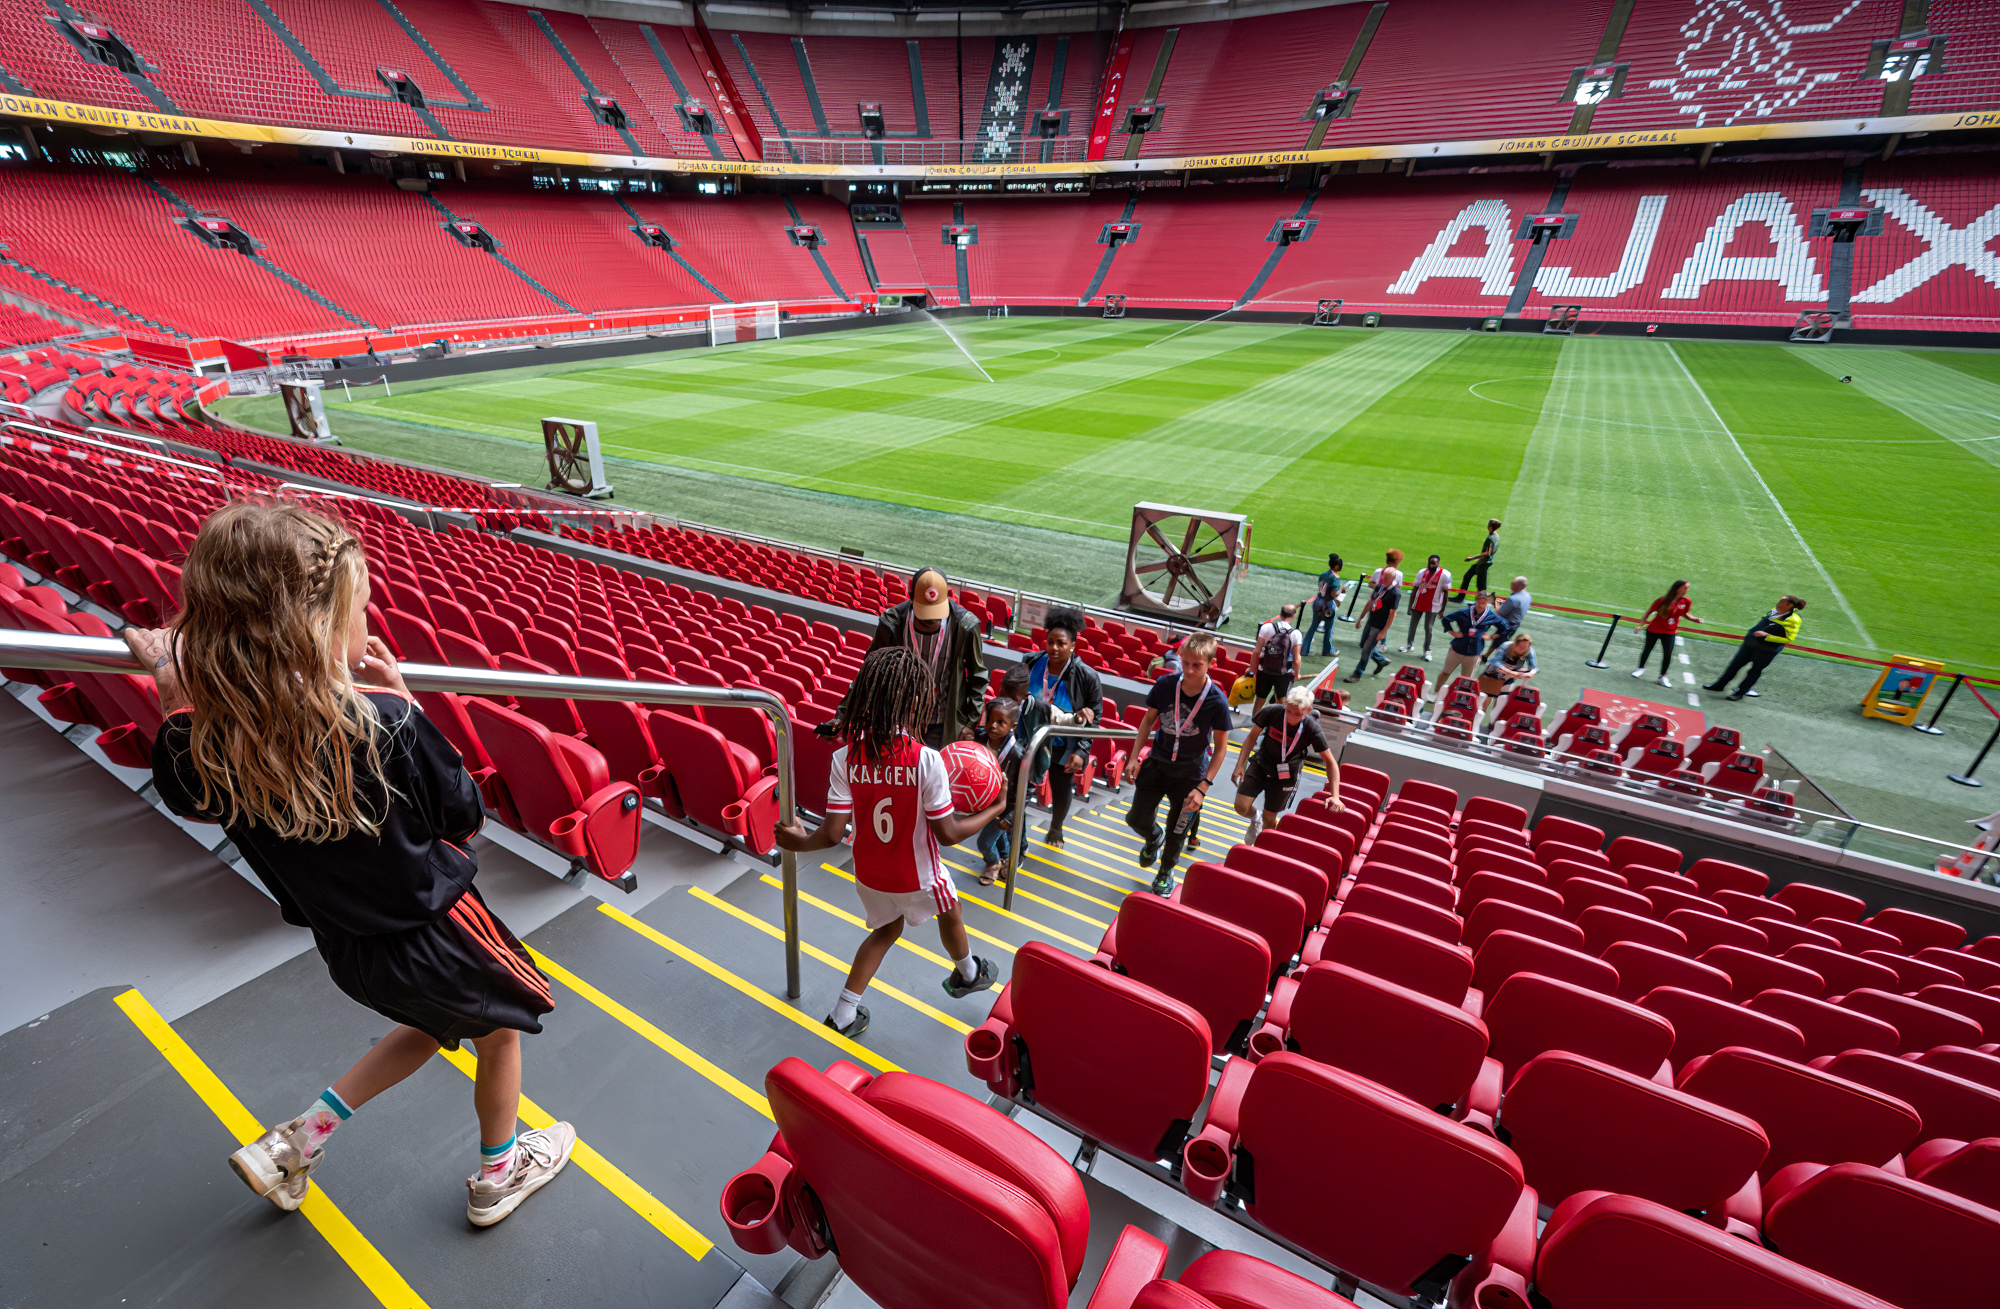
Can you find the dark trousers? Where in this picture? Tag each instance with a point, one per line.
(1062, 789)
(1371, 636)
(1758, 654)
(1163, 778)
(1666, 644)
(1474, 580)
(1429, 617)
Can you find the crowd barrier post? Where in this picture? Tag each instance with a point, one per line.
(1966, 778)
(1958, 680)
(1599, 662)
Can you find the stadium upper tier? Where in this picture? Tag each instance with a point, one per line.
(1403, 71)
(331, 259)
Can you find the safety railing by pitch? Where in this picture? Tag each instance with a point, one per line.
(84, 654)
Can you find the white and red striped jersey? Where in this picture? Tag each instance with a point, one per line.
(890, 803)
(1428, 595)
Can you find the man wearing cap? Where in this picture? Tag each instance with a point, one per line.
(945, 636)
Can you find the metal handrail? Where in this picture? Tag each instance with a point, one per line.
(96, 654)
(1017, 840)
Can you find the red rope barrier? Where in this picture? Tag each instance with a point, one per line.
(1982, 700)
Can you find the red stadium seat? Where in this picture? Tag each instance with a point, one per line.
(1530, 1015)
(1828, 1028)
(1704, 1024)
(1214, 966)
(562, 790)
(1908, 1242)
(1642, 968)
(1809, 1116)
(1967, 1168)
(1951, 1107)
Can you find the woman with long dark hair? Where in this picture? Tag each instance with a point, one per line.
(1663, 621)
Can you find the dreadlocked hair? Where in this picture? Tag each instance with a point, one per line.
(893, 695)
(261, 649)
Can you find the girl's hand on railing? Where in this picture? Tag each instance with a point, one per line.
(154, 647)
(378, 669)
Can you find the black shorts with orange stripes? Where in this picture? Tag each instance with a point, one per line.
(463, 975)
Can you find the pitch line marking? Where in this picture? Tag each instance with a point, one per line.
(1798, 536)
(1761, 436)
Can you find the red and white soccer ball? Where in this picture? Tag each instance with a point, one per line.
(976, 779)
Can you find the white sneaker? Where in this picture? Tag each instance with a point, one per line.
(1638, 672)
(275, 1165)
(1664, 682)
(1427, 656)
(538, 1156)
(1404, 650)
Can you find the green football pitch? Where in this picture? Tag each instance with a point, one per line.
(1617, 463)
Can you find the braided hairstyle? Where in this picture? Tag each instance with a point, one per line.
(894, 694)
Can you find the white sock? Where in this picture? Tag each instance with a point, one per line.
(1256, 826)
(327, 1113)
(967, 968)
(496, 1160)
(843, 1008)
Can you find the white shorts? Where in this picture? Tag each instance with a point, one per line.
(915, 908)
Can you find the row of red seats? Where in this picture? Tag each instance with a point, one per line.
(493, 507)
(1706, 766)
(1522, 1036)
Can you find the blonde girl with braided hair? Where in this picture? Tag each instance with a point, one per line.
(893, 790)
(289, 725)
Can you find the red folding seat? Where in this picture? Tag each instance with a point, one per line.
(1913, 974)
(709, 772)
(1986, 947)
(1827, 1028)
(1548, 852)
(1854, 938)
(1753, 972)
(1595, 1243)
(1274, 914)
(1916, 930)
(1704, 1024)
(1625, 850)
(1910, 1243)
(1309, 883)
(1397, 954)
(1810, 902)
(1977, 972)
(1784, 935)
(1603, 924)
(1485, 885)
(562, 791)
(1843, 972)
(1554, 827)
(812, 760)
(1370, 779)
(1530, 1015)
(1661, 760)
(1471, 862)
(499, 635)
(1393, 907)
(1967, 1168)
(1705, 931)
(1505, 953)
(1982, 1007)
(1415, 885)
(1387, 850)
(1743, 907)
(1493, 915)
(557, 652)
(1642, 968)
(618, 731)
(1807, 1115)
(416, 638)
(1322, 1158)
(1313, 827)
(746, 727)
(917, 1182)
(1504, 835)
(1713, 746)
(1482, 808)
(464, 652)
(1950, 1107)
(1411, 1043)
(1417, 791)
(555, 713)
(1110, 1058)
(1920, 1025)
(1579, 1125)
(1719, 874)
(1497, 848)
(1739, 774)
(1324, 857)
(1561, 870)
(1972, 1065)
(1581, 893)
(1400, 831)
(1213, 966)
(1667, 898)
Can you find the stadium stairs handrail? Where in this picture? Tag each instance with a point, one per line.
(85, 654)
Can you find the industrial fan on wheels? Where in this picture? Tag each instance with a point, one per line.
(576, 464)
(1181, 564)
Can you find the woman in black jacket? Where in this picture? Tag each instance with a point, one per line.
(1059, 677)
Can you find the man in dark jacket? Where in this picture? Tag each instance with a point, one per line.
(946, 637)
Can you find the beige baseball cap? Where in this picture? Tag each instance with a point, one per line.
(933, 600)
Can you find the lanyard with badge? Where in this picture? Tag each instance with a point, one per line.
(1285, 745)
(1180, 716)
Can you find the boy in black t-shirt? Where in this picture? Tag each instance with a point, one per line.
(1269, 760)
(1194, 721)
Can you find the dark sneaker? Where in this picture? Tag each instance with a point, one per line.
(538, 1156)
(1163, 885)
(958, 988)
(275, 1165)
(855, 1028)
(1149, 852)
(1712, 686)
(1735, 695)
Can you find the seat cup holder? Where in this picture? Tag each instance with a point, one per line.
(983, 1050)
(752, 1206)
(1204, 1168)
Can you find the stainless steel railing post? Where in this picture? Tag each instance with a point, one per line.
(1017, 835)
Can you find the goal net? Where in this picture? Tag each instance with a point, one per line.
(742, 322)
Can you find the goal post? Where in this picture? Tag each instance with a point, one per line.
(756, 321)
